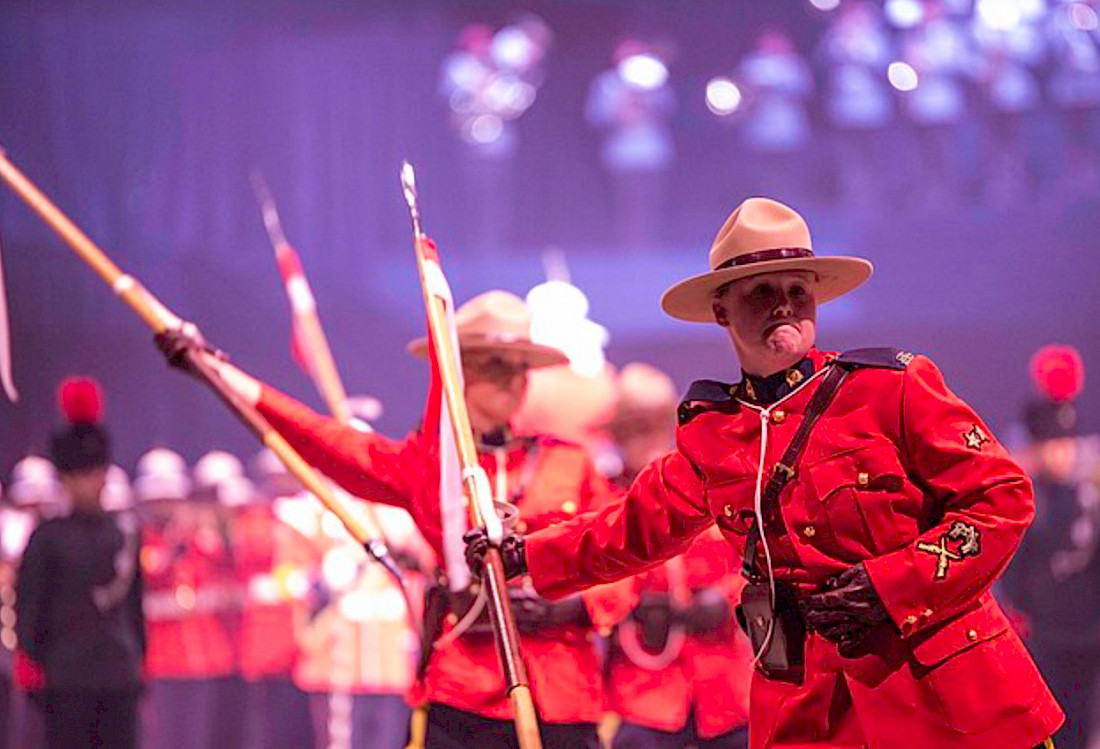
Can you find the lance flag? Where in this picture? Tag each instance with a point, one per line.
(437, 421)
(301, 302)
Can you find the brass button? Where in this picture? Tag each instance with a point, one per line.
(809, 531)
(728, 511)
(521, 526)
(779, 416)
(910, 620)
(451, 619)
(926, 614)
(863, 479)
(972, 635)
(569, 506)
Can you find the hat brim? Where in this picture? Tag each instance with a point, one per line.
(534, 355)
(691, 299)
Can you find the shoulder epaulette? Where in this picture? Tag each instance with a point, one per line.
(882, 358)
(701, 396)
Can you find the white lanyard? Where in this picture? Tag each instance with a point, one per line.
(758, 495)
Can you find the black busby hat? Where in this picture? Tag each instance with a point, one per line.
(1059, 374)
(83, 444)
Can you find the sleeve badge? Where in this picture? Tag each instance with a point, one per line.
(962, 540)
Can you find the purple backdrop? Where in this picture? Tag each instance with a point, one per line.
(143, 120)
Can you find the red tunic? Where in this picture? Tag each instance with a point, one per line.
(190, 598)
(559, 482)
(896, 470)
(270, 560)
(711, 671)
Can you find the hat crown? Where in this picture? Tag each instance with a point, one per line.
(494, 314)
(642, 387)
(759, 224)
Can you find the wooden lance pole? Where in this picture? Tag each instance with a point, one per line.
(161, 320)
(475, 484)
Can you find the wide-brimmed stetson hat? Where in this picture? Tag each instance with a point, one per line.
(762, 236)
(497, 321)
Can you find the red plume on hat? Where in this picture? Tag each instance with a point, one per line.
(81, 400)
(1058, 371)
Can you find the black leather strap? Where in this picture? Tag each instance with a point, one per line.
(785, 468)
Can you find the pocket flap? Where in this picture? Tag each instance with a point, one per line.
(873, 468)
(975, 627)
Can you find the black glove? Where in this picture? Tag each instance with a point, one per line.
(534, 613)
(654, 618)
(512, 552)
(176, 345)
(846, 610)
(709, 610)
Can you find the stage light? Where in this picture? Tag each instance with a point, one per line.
(904, 14)
(902, 76)
(825, 5)
(1000, 15)
(645, 71)
(491, 79)
(723, 96)
(560, 318)
(512, 48)
(1083, 17)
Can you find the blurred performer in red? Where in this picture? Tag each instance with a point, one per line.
(872, 506)
(78, 603)
(274, 586)
(189, 589)
(1054, 581)
(546, 480)
(679, 667)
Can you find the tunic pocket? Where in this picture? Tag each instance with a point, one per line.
(866, 499)
(978, 671)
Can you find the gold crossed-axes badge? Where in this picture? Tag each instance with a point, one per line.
(968, 540)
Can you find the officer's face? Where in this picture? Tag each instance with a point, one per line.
(771, 319)
(495, 386)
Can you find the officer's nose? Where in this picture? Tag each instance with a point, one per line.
(783, 306)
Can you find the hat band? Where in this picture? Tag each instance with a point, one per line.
(783, 253)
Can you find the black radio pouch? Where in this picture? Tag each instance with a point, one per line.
(775, 626)
(777, 633)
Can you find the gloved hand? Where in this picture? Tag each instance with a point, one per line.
(534, 613)
(846, 610)
(709, 610)
(511, 552)
(175, 345)
(654, 618)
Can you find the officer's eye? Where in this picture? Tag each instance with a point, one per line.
(762, 291)
(797, 291)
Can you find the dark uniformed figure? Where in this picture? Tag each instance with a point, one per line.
(871, 506)
(1054, 581)
(78, 604)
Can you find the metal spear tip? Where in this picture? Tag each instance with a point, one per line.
(408, 182)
